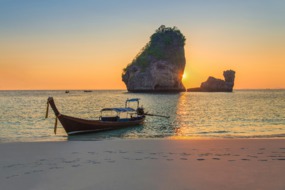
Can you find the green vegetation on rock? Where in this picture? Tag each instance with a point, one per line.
(165, 44)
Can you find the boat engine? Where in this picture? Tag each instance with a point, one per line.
(140, 111)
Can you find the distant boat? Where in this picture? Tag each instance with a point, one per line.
(74, 125)
(87, 91)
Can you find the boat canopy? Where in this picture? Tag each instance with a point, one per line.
(133, 100)
(119, 109)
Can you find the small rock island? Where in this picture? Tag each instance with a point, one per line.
(217, 85)
(160, 64)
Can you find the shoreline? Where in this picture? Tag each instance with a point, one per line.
(174, 138)
(144, 164)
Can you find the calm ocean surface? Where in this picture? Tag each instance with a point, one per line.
(241, 114)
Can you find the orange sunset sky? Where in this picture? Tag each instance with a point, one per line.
(86, 44)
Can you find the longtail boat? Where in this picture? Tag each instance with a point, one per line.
(73, 125)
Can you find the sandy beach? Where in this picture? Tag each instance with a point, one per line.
(144, 164)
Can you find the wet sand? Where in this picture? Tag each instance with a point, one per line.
(144, 164)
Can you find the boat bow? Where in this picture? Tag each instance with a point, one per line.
(50, 102)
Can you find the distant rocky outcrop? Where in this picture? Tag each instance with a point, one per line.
(160, 64)
(217, 85)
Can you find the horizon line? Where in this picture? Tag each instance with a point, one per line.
(121, 89)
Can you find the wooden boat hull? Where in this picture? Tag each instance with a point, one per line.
(75, 126)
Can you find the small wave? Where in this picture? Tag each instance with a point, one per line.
(264, 136)
(214, 132)
(281, 136)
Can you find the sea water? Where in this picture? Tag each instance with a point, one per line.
(241, 114)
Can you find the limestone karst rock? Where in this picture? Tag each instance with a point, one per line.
(217, 85)
(160, 64)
